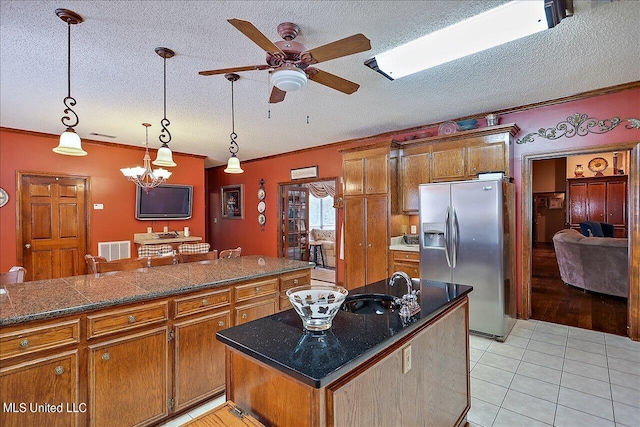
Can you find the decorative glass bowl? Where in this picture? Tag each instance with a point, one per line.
(317, 305)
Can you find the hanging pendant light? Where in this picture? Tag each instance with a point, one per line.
(143, 176)
(233, 165)
(165, 157)
(70, 144)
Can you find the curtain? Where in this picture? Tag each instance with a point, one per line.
(322, 189)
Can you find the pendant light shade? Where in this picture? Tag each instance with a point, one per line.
(70, 144)
(233, 165)
(165, 156)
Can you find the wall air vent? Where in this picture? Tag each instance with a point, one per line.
(115, 250)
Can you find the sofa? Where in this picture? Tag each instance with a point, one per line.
(597, 264)
(327, 238)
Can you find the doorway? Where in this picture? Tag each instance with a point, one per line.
(53, 224)
(632, 149)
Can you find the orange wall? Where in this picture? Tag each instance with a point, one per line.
(24, 151)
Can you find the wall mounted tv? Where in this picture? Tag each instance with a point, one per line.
(164, 202)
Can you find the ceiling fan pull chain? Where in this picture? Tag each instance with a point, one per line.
(307, 119)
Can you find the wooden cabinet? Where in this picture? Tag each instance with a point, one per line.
(255, 300)
(53, 381)
(128, 380)
(295, 212)
(600, 199)
(367, 173)
(199, 358)
(453, 157)
(291, 280)
(406, 261)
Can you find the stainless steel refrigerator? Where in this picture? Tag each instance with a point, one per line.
(466, 237)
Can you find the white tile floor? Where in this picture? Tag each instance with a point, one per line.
(545, 374)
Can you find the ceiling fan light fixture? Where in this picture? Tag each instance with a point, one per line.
(289, 79)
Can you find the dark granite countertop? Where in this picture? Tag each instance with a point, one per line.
(317, 358)
(42, 299)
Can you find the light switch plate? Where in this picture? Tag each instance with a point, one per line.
(406, 359)
(98, 206)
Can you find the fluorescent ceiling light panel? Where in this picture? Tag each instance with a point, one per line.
(494, 27)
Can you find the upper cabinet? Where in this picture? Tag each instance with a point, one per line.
(453, 157)
(366, 175)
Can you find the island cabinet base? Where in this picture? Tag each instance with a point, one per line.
(420, 380)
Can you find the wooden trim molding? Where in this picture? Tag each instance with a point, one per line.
(633, 302)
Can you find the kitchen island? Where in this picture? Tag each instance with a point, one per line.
(133, 347)
(367, 370)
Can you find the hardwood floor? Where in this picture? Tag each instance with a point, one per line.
(553, 301)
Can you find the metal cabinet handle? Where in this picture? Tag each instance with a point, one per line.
(59, 370)
(205, 301)
(244, 316)
(295, 281)
(28, 245)
(132, 319)
(221, 323)
(258, 289)
(24, 343)
(406, 256)
(106, 356)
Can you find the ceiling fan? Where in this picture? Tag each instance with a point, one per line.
(290, 61)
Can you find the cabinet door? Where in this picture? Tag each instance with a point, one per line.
(128, 380)
(248, 312)
(485, 158)
(617, 203)
(415, 171)
(447, 164)
(353, 177)
(354, 240)
(411, 268)
(51, 380)
(376, 172)
(376, 238)
(596, 193)
(577, 203)
(199, 358)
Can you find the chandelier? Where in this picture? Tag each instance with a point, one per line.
(143, 176)
(70, 144)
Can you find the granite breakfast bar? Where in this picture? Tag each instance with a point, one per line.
(133, 347)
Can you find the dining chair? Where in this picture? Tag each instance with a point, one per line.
(14, 275)
(154, 250)
(120, 265)
(194, 248)
(230, 253)
(155, 261)
(193, 257)
(91, 262)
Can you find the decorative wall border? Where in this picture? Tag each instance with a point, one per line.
(581, 125)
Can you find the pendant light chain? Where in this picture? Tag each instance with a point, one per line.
(165, 139)
(233, 148)
(69, 101)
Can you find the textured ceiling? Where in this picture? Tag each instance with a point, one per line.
(117, 76)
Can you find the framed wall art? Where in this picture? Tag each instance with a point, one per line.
(232, 201)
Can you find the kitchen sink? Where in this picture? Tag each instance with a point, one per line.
(380, 304)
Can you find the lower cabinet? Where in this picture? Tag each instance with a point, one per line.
(129, 379)
(54, 381)
(199, 358)
(406, 261)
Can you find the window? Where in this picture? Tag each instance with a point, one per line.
(322, 214)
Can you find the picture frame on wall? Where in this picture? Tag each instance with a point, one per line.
(232, 201)
(556, 202)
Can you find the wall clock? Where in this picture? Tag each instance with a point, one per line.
(4, 197)
(597, 165)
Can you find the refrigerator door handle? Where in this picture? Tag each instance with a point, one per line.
(446, 237)
(454, 240)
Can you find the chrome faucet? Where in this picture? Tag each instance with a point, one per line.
(405, 276)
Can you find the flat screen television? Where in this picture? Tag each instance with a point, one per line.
(164, 202)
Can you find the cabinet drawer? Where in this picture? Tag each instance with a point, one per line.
(406, 256)
(202, 302)
(256, 289)
(411, 268)
(249, 312)
(36, 339)
(124, 320)
(292, 280)
(285, 302)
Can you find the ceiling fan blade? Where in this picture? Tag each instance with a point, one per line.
(250, 30)
(347, 46)
(277, 95)
(332, 81)
(234, 70)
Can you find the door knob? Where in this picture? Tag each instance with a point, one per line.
(28, 245)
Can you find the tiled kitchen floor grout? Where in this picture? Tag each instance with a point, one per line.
(544, 374)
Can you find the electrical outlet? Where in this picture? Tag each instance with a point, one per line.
(413, 229)
(406, 359)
